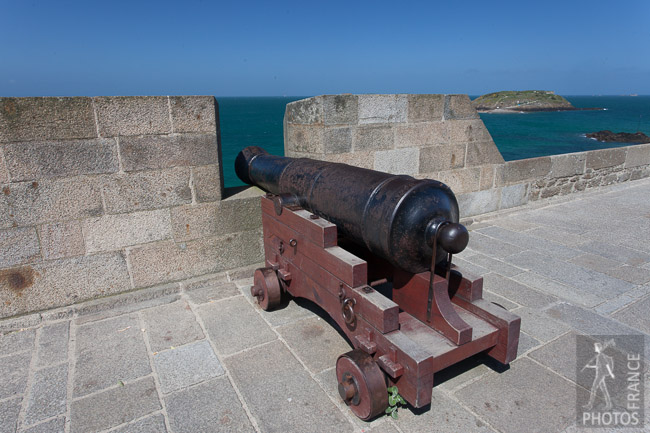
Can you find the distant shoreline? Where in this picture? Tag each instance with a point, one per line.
(523, 101)
(536, 110)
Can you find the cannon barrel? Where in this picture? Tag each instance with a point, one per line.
(396, 217)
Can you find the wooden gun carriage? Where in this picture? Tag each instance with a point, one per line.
(340, 236)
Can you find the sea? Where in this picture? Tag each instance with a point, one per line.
(248, 121)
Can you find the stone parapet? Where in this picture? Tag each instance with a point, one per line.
(591, 169)
(442, 137)
(519, 182)
(420, 135)
(105, 195)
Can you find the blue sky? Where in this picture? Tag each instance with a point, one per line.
(251, 48)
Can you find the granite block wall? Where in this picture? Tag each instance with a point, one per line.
(442, 137)
(426, 136)
(105, 195)
(109, 194)
(521, 181)
(574, 172)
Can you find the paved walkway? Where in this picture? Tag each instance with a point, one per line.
(202, 357)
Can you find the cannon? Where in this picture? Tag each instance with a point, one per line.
(374, 251)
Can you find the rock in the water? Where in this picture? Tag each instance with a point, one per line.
(522, 101)
(619, 137)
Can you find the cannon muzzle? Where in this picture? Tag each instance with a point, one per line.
(396, 217)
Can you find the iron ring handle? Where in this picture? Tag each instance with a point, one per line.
(347, 309)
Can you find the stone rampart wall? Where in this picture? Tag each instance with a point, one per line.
(426, 136)
(442, 137)
(105, 195)
(109, 194)
(520, 181)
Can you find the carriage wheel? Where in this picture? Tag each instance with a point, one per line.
(266, 288)
(362, 384)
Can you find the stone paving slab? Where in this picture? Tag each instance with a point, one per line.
(567, 273)
(622, 235)
(590, 323)
(17, 341)
(516, 292)
(53, 344)
(492, 247)
(100, 351)
(636, 315)
(631, 274)
(209, 407)
(385, 427)
(9, 410)
(493, 265)
(461, 374)
(151, 424)
(639, 291)
(107, 366)
(20, 323)
(469, 266)
(557, 235)
(617, 303)
(563, 291)
(515, 224)
(206, 291)
(587, 321)
(526, 343)
(316, 342)
(538, 325)
(281, 395)
(56, 425)
(171, 325)
(14, 370)
(551, 219)
(615, 252)
(47, 397)
(122, 304)
(505, 303)
(115, 406)
(528, 242)
(445, 415)
(233, 325)
(185, 366)
(559, 355)
(595, 262)
(527, 398)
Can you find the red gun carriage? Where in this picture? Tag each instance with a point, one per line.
(344, 237)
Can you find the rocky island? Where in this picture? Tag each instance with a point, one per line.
(522, 101)
(620, 137)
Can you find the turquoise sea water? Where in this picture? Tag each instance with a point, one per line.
(258, 121)
(250, 122)
(527, 135)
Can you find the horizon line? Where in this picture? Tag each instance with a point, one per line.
(633, 95)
